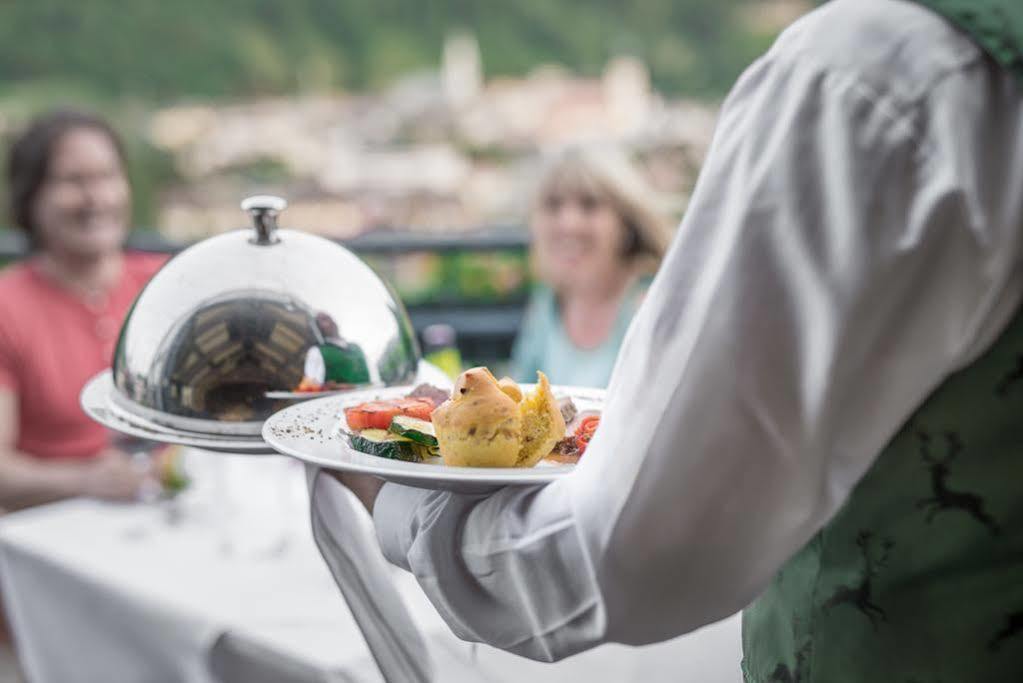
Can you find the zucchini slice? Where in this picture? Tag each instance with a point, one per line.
(386, 445)
(413, 428)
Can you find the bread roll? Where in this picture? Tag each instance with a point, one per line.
(542, 423)
(487, 423)
(480, 425)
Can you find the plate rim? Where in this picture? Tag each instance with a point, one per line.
(102, 385)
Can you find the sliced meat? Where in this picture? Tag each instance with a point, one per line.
(566, 446)
(431, 393)
(571, 427)
(568, 409)
(565, 451)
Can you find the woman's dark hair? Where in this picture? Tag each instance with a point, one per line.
(28, 162)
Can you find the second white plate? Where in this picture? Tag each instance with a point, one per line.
(97, 404)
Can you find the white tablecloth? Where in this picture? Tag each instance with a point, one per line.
(226, 585)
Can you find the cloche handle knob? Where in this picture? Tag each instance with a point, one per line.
(264, 210)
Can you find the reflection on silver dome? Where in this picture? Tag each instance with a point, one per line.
(235, 316)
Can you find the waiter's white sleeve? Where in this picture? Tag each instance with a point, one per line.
(852, 240)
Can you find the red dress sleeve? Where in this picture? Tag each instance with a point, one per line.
(10, 378)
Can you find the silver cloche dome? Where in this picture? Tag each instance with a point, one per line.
(246, 313)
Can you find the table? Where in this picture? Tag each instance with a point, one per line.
(225, 584)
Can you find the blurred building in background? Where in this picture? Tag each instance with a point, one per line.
(444, 150)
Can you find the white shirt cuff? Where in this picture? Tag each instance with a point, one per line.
(394, 516)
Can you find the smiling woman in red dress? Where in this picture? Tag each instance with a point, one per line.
(61, 309)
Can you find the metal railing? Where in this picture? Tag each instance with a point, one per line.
(13, 244)
(485, 331)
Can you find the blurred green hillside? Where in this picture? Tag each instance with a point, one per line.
(162, 51)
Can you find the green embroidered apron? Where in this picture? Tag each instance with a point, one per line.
(919, 577)
(995, 25)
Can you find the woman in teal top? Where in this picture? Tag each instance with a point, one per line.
(597, 237)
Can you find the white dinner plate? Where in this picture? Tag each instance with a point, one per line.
(314, 432)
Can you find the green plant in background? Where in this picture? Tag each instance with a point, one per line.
(472, 277)
(488, 276)
(416, 277)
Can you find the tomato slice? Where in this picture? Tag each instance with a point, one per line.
(371, 415)
(415, 407)
(584, 432)
(378, 414)
(308, 384)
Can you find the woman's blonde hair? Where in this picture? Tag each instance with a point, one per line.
(606, 173)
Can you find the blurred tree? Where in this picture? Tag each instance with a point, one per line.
(168, 50)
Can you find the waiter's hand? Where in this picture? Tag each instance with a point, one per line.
(364, 486)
